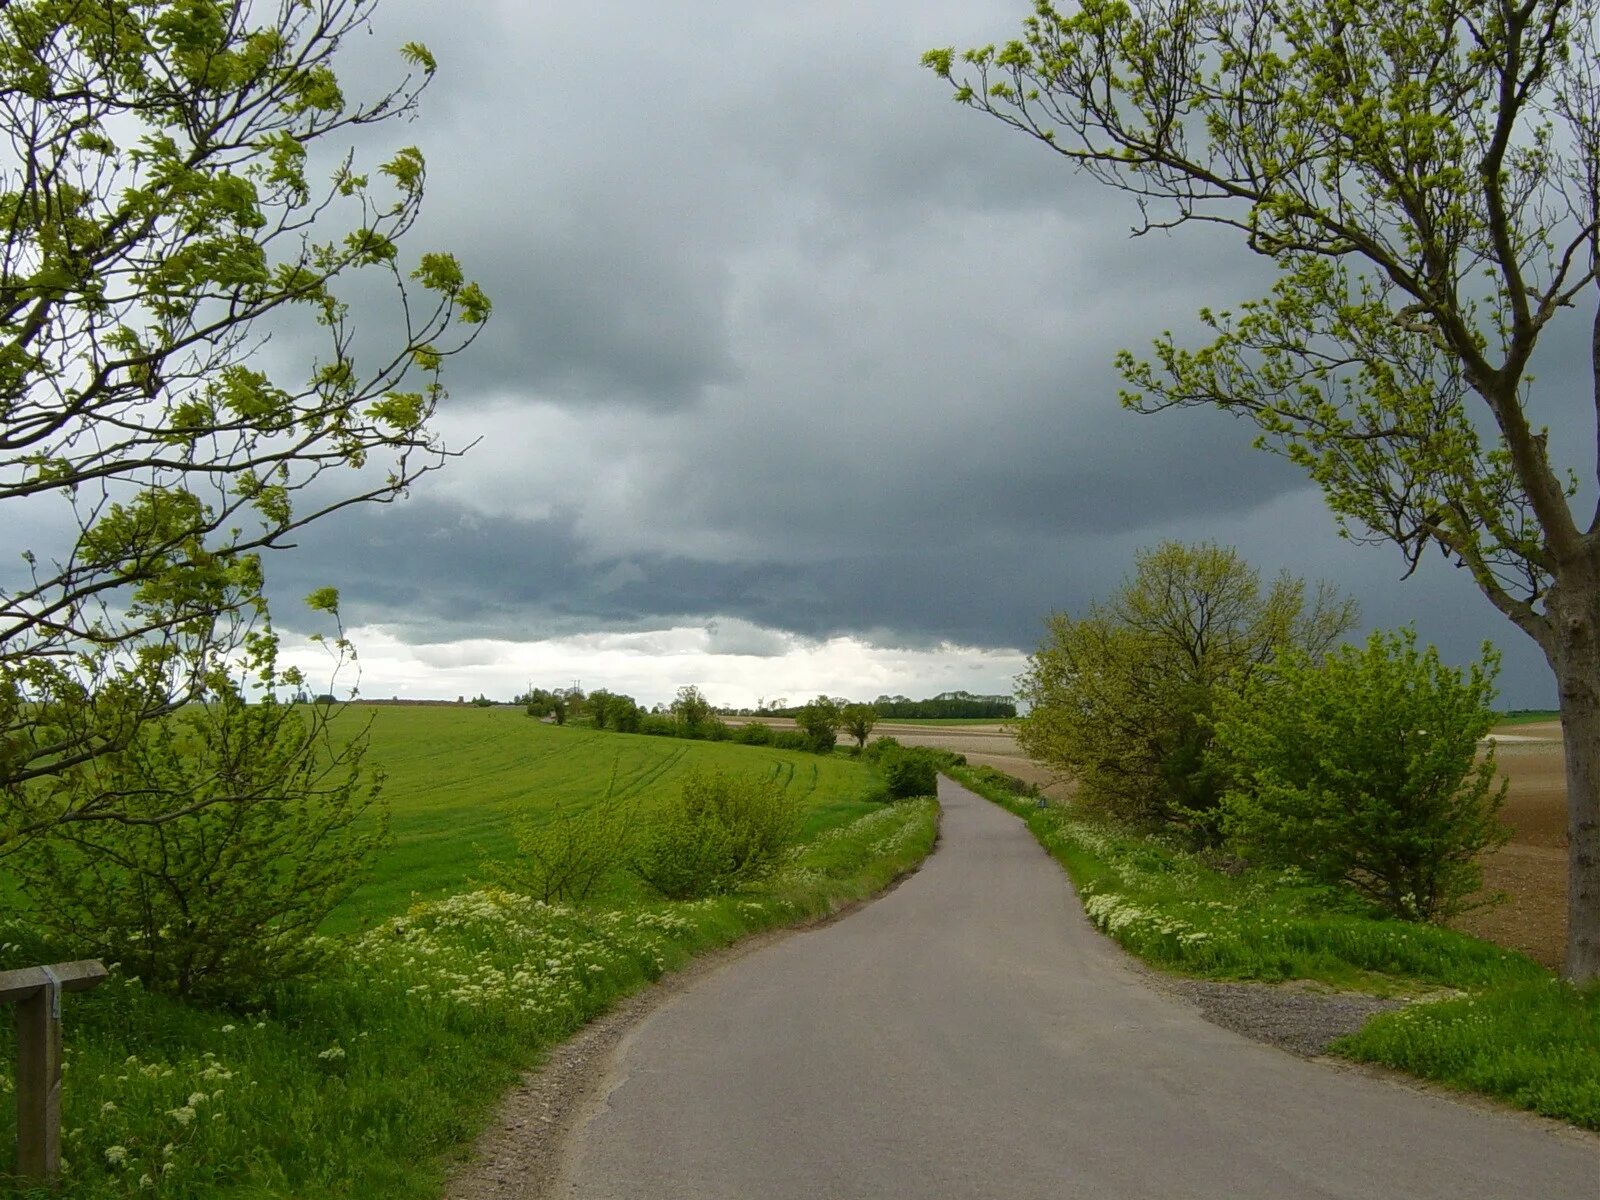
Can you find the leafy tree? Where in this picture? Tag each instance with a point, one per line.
(1425, 179)
(1364, 770)
(161, 219)
(819, 721)
(691, 709)
(220, 899)
(603, 706)
(859, 720)
(624, 714)
(1120, 698)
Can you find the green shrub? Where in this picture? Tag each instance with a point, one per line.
(790, 739)
(721, 833)
(753, 734)
(715, 730)
(656, 725)
(821, 741)
(999, 778)
(222, 900)
(1365, 771)
(819, 720)
(878, 747)
(568, 853)
(910, 771)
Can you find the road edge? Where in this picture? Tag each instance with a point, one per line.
(522, 1152)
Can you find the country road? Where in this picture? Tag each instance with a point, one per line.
(969, 1035)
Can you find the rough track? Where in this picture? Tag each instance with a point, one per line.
(971, 1036)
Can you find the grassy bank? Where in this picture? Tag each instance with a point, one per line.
(365, 1081)
(1515, 1031)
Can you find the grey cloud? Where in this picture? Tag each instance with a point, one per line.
(788, 343)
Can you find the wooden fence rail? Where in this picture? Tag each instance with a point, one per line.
(36, 991)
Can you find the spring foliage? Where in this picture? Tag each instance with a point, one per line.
(220, 901)
(1424, 179)
(720, 833)
(162, 215)
(1119, 698)
(1364, 770)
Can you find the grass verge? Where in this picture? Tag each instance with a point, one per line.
(1513, 1030)
(363, 1082)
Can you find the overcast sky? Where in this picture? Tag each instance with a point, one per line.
(800, 375)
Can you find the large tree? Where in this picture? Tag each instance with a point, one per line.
(1424, 176)
(1120, 698)
(176, 191)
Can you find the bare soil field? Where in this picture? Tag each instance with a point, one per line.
(1531, 870)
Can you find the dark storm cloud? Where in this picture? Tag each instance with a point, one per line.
(785, 338)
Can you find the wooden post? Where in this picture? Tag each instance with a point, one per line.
(36, 991)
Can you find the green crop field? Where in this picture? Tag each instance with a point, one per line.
(455, 775)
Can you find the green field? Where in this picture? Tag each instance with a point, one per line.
(1527, 716)
(456, 774)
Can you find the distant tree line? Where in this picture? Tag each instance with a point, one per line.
(944, 706)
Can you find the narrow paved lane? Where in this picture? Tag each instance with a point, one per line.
(970, 1035)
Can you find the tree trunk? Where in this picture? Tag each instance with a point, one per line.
(1574, 613)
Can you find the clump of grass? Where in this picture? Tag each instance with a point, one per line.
(1534, 1044)
(361, 1082)
(1513, 1030)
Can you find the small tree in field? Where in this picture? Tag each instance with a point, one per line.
(159, 210)
(691, 709)
(566, 854)
(1364, 770)
(1424, 176)
(819, 720)
(859, 720)
(1119, 699)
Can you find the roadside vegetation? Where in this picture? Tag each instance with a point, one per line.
(545, 858)
(1259, 806)
(1493, 1021)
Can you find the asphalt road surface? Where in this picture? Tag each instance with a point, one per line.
(970, 1035)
